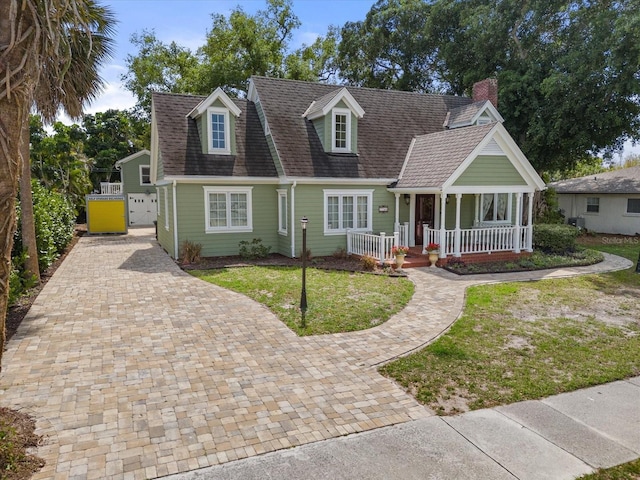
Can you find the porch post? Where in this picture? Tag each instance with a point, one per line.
(529, 246)
(443, 232)
(381, 247)
(517, 231)
(477, 219)
(397, 222)
(458, 233)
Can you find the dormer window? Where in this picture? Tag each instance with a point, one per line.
(219, 141)
(341, 130)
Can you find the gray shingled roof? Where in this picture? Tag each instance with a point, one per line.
(391, 120)
(320, 103)
(180, 147)
(435, 157)
(463, 115)
(622, 181)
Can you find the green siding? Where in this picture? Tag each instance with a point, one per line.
(191, 224)
(274, 155)
(320, 124)
(130, 175)
(310, 203)
(490, 170)
(165, 237)
(160, 168)
(467, 212)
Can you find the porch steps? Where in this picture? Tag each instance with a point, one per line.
(415, 258)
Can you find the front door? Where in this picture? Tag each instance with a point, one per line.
(425, 214)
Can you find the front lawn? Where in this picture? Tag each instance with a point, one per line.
(337, 301)
(522, 341)
(627, 471)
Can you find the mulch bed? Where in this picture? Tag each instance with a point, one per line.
(276, 260)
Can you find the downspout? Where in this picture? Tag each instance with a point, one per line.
(175, 222)
(293, 222)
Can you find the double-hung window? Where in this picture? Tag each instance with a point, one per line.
(219, 130)
(341, 130)
(228, 209)
(347, 210)
(496, 207)
(282, 212)
(145, 175)
(633, 205)
(593, 204)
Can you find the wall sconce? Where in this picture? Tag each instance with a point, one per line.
(407, 198)
(447, 200)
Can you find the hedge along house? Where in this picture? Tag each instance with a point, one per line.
(136, 186)
(359, 163)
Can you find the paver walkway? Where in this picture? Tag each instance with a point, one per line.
(134, 369)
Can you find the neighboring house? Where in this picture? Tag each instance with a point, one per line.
(606, 202)
(356, 162)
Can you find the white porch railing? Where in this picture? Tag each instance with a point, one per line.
(376, 246)
(403, 230)
(107, 188)
(481, 240)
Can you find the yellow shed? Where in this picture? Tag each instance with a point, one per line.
(106, 214)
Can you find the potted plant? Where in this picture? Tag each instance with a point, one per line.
(433, 251)
(399, 251)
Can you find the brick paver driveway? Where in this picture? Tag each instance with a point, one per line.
(134, 369)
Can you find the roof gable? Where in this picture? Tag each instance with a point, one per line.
(133, 156)
(437, 160)
(468, 115)
(322, 106)
(218, 94)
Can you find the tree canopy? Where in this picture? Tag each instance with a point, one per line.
(236, 47)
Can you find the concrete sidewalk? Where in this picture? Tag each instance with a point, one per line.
(561, 437)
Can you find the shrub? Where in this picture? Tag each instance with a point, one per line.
(558, 239)
(190, 251)
(340, 253)
(19, 280)
(253, 249)
(368, 263)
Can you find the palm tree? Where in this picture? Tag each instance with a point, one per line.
(50, 53)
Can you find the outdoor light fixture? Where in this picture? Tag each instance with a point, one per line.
(407, 198)
(303, 295)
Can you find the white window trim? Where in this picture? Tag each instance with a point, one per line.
(627, 212)
(158, 202)
(348, 193)
(227, 131)
(347, 113)
(142, 184)
(166, 209)
(586, 207)
(509, 214)
(282, 208)
(227, 191)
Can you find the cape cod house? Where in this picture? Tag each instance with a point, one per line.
(368, 168)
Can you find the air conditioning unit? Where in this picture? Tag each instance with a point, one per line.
(577, 222)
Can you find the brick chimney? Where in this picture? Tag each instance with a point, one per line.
(486, 89)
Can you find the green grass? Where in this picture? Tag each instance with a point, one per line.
(337, 301)
(627, 471)
(514, 342)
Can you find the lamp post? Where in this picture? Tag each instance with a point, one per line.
(303, 295)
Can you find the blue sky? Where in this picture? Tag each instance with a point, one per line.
(186, 22)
